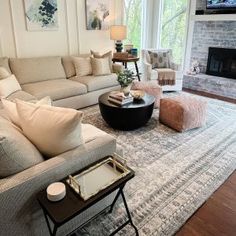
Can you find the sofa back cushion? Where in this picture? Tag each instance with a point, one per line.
(30, 70)
(68, 64)
(4, 62)
(17, 153)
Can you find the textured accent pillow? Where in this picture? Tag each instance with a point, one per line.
(4, 73)
(17, 153)
(160, 59)
(8, 86)
(82, 66)
(98, 55)
(100, 66)
(53, 130)
(10, 108)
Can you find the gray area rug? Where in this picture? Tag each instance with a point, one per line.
(175, 172)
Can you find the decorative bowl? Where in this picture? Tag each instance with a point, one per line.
(137, 94)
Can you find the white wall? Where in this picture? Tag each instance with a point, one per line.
(71, 38)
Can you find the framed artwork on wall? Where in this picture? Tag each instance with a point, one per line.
(97, 14)
(41, 15)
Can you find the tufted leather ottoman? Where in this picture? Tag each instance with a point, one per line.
(150, 87)
(183, 112)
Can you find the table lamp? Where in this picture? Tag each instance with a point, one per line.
(118, 33)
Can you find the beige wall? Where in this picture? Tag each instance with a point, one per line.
(71, 38)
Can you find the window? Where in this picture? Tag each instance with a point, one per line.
(173, 27)
(133, 19)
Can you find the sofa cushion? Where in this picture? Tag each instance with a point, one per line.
(4, 73)
(56, 89)
(8, 86)
(53, 130)
(97, 82)
(100, 66)
(29, 70)
(82, 66)
(4, 62)
(22, 95)
(91, 133)
(10, 108)
(68, 64)
(107, 55)
(17, 153)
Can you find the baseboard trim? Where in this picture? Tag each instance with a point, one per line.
(210, 95)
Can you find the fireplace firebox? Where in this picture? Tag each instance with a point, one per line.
(222, 62)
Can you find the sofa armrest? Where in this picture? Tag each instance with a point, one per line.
(116, 68)
(19, 211)
(147, 70)
(60, 166)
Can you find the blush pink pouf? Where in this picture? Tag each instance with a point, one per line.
(183, 113)
(150, 87)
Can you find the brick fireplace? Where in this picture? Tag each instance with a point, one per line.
(211, 31)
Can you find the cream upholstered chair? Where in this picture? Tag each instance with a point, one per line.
(151, 74)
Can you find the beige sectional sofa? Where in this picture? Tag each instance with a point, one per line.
(56, 77)
(20, 213)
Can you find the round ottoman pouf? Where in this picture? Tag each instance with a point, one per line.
(150, 87)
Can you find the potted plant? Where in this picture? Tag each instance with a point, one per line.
(125, 79)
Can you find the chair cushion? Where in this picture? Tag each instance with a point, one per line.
(56, 89)
(160, 59)
(17, 153)
(53, 130)
(97, 82)
(30, 70)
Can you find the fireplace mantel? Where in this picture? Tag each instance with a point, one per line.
(214, 17)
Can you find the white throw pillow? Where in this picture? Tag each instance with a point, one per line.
(10, 108)
(4, 73)
(82, 66)
(53, 130)
(100, 66)
(8, 86)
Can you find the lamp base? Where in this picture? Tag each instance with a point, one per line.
(119, 46)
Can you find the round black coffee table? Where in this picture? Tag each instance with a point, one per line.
(127, 117)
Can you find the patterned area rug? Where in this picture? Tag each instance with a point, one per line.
(175, 172)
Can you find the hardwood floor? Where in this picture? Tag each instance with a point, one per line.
(217, 216)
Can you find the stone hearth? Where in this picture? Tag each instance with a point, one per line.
(211, 84)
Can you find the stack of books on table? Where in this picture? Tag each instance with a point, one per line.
(118, 98)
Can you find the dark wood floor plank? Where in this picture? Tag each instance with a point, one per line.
(217, 216)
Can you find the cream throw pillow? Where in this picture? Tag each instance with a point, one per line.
(4, 73)
(8, 86)
(106, 55)
(82, 66)
(100, 66)
(53, 130)
(10, 108)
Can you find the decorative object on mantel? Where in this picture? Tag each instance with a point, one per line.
(194, 69)
(97, 14)
(125, 79)
(41, 15)
(118, 33)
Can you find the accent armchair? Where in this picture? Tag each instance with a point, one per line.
(150, 73)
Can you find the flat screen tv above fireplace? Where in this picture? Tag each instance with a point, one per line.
(222, 62)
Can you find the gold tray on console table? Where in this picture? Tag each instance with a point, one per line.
(98, 177)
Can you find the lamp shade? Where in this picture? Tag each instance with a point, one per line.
(118, 32)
